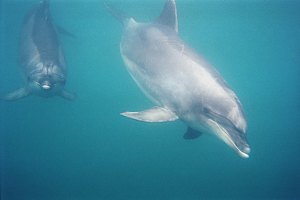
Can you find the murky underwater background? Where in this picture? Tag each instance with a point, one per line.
(56, 149)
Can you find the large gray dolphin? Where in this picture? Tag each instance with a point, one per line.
(41, 56)
(180, 83)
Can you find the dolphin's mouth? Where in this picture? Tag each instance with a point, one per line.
(235, 139)
(45, 85)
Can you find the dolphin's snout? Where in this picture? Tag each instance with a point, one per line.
(233, 137)
(46, 85)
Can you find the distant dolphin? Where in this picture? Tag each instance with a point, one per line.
(180, 82)
(42, 60)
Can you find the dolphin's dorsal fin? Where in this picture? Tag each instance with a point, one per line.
(191, 134)
(168, 16)
(63, 31)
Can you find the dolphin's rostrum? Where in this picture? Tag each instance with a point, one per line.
(41, 56)
(179, 81)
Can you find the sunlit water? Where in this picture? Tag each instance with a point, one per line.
(56, 149)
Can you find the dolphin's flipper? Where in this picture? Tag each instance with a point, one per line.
(168, 16)
(15, 95)
(68, 95)
(191, 134)
(155, 114)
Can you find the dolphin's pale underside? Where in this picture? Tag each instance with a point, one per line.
(180, 83)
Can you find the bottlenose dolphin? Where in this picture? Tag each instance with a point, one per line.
(179, 82)
(41, 56)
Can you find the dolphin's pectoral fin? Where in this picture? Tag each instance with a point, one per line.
(68, 95)
(191, 134)
(168, 16)
(15, 95)
(155, 114)
(63, 31)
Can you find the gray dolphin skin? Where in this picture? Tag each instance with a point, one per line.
(179, 82)
(41, 56)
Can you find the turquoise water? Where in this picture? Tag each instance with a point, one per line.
(56, 149)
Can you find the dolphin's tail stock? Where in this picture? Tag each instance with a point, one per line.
(44, 4)
(118, 14)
